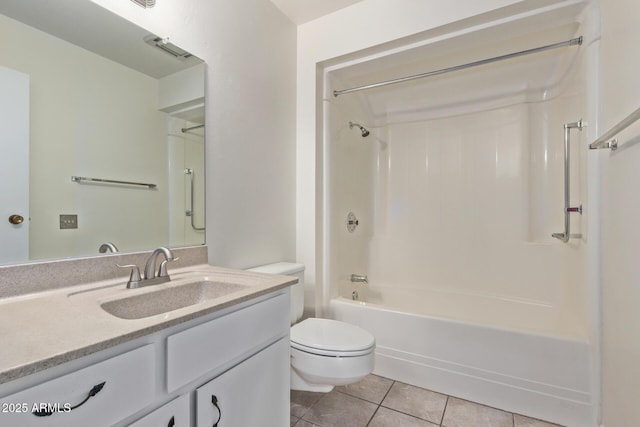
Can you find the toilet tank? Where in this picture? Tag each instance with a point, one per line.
(297, 290)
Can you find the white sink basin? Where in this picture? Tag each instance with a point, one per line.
(159, 299)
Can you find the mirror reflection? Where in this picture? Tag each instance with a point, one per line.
(101, 135)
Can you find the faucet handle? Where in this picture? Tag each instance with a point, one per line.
(134, 278)
(162, 271)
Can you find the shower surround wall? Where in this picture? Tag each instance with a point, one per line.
(460, 204)
(465, 204)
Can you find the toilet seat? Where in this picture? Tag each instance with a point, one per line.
(332, 338)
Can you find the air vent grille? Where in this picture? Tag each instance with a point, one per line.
(167, 47)
(145, 3)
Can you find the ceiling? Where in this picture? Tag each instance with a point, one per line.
(301, 11)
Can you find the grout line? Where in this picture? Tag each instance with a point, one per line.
(387, 393)
(380, 404)
(445, 409)
(373, 416)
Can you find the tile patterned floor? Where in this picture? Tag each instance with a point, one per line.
(381, 402)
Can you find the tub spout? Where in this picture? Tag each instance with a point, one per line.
(359, 278)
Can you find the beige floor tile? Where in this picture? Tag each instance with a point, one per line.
(388, 418)
(462, 413)
(522, 421)
(416, 401)
(303, 423)
(294, 420)
(372, 388)
(301, 401)
(337, 409)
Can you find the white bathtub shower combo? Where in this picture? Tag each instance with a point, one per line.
(457, 212)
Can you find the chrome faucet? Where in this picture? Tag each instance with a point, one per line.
(150, 266)
(360, 278)
(136, 280)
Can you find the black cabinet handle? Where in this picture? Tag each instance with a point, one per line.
(94, 390)
(172, 422)
(214, 401)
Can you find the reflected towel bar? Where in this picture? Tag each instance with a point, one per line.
(111, 181)
(607, 139)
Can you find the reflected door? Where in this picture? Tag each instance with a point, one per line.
(14, 164)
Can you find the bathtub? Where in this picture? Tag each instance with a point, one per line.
(520, 356)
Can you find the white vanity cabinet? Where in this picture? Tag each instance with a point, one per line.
(247, 395)
(240, 354)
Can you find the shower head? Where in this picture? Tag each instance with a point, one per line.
(364, 131)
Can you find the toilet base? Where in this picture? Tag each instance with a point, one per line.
(300, 384)
(311, 372)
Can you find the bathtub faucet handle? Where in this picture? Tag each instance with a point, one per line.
(359, 278)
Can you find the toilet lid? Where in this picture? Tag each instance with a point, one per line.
(331, 337)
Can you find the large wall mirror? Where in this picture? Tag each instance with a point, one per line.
(101, 134)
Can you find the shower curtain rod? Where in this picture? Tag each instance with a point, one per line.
(573, 42)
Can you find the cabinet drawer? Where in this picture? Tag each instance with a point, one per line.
(201, 349)
(175, 413)
(129, 384)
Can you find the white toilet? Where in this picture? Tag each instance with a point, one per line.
(324, 352)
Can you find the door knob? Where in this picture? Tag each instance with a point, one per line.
(16, 219)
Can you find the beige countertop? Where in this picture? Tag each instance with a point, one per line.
(44, 329)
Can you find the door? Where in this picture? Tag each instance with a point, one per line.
(14, 164)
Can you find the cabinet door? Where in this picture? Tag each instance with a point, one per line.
(253, 393)
(174, 414)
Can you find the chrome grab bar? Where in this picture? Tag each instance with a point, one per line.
(567, 160)
(191, 211)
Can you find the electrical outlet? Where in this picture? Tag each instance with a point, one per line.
(68, 221)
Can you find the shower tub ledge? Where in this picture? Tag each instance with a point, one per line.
(540, 371)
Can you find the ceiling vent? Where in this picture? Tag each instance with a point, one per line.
(145, 3)
(165, 46)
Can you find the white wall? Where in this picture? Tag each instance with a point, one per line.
(250, 50)
(620, 95)
(366, 24)
(73, 134)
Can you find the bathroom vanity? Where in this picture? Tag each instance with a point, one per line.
(99, 354)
